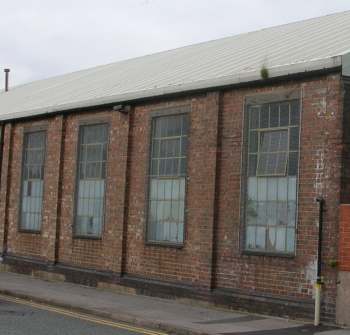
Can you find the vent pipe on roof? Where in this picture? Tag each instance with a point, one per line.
(7, 71)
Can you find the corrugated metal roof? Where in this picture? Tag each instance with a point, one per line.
(292, 48)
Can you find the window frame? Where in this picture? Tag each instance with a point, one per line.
(164, 112)
(260, 131)
(26, 131)
(81, 124)
(251, 101)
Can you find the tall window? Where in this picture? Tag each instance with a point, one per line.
(92, 158)
(272, 169)
(32, 180)
(168, 179)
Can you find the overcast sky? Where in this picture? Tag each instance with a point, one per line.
(43, 38)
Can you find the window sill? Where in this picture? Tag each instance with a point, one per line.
(267, 254)
(29, 231)
(164, 244)
(84, 237)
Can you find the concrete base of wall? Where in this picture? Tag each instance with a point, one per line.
(343, 299)
(236, 300)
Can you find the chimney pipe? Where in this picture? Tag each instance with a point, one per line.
(6, 79)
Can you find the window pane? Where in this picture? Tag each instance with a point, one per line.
(252, 165)
(254, 118)
(294, 138)
(273, 153)
(293, 164)
(294, 112)
(253, 141)
(32, 180)
(284, 114)
(274, 115)
(91, 179)
(167, 179)
(264, 116)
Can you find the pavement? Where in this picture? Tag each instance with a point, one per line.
(170, 316)
(22, 319)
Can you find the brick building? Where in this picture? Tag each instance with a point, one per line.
(189, 173)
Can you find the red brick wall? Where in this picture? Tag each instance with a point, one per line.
(30, 244)
(344, 238)
(211, 255)
(104, 253)
(192, 263)
(320, 169)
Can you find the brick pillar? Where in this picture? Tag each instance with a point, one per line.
(53, 175)
(202, 182)
(4, 187)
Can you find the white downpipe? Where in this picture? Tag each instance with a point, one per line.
(318, 289)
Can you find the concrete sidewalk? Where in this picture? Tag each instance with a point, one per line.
(168, 315)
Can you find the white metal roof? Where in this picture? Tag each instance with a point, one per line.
(308, 45)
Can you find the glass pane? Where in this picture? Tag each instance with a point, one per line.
(252, 188)
(252, 165)
(252, 212)
(264, 116)
(262, 189)
(274, 115)
(281, 239)
(260, 237)
(282, 189)
(174, 126)
(185, 124)
(294, 112)
(254, 117)
(290, 240)
(292, 213)
(155, 148)
(294, 138)
(253, 141)
(183, 146)
(271, 239)
(293, 164)
(284, 114)
(272, 189)
(250, 237)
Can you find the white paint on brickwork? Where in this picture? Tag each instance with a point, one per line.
(320, 167)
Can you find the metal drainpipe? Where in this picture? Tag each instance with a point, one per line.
(7, 71)
(319, 280)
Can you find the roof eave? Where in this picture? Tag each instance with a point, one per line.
(240, 78)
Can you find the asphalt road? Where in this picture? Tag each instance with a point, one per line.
(20, 319)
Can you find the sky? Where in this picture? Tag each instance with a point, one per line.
(44, 38)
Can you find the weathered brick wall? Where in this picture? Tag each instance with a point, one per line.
(211, 256)
(27, 244)
(319, 176)
(105, 253)
(192, 263)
